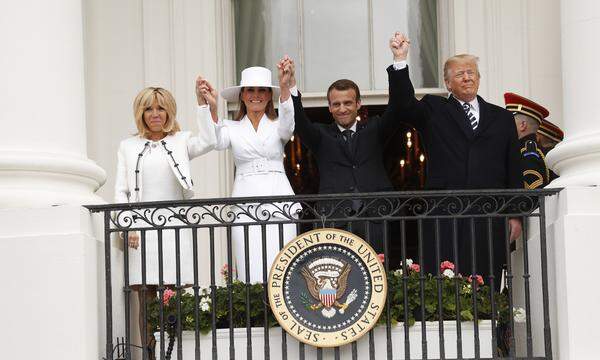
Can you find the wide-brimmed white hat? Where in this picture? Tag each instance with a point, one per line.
(256, 76)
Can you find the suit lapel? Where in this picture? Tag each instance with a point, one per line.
(484, 116)
(458, 114)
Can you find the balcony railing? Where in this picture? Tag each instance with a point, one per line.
(423, 225)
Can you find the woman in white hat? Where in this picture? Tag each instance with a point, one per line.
(257, 138)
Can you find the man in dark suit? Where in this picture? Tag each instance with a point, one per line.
(349, 153)
(470, 144)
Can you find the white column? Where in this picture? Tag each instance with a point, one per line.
(43, 156)
(577, 158)
(572, 226)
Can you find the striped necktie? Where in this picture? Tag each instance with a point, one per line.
(472, 120)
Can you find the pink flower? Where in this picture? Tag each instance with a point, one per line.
(225, 270)
(446, 265)
(167, 295)
(478, 277)
(415, 267)
(381, 257)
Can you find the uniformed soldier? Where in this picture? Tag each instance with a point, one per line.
(548, 135)
(528, 118)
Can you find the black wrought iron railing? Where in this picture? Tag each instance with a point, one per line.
(174, 271)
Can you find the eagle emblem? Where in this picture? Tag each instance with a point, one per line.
(326, 279)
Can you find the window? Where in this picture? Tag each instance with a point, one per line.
(332, 39)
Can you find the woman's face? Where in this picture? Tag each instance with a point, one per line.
(155, 118)
(256, 98)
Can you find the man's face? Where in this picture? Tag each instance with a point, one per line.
(463, 80)
(344, 107)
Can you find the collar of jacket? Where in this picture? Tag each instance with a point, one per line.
(175, 151)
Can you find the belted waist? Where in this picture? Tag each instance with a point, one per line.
(258, 166)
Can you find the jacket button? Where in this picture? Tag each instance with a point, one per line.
(354, 166)
(351, 188)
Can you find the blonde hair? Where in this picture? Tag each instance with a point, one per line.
(163, 98)
(460, 58)
(269, 110)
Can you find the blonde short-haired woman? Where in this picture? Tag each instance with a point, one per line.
(154, 165)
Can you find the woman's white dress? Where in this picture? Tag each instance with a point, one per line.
(155, 171)
(161, 184)
(258, 157)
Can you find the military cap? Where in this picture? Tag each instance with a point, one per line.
(551, 131)
(518, 104)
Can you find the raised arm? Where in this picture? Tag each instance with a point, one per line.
(206, 138)
(209, 96)
(308, 132)
(285, 71)
(402, 104)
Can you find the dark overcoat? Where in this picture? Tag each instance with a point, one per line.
(459, 157)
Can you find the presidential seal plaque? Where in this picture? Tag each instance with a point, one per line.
(327, 287)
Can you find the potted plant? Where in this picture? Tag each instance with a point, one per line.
(469, 288)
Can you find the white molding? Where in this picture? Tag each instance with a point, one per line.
(302, 81)
(371, 46)
(525, 14)
(33, 179)
(227, 75)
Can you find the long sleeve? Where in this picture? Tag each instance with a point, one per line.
(309, 133)
(394, 112)
(206, 138)
(402, 94)
(122, 190)
(286, 119)
(222, 132)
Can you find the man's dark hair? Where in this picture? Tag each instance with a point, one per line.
(344, 84)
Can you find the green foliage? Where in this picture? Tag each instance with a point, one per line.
(239, 305)
(240, 292)
(448, 288)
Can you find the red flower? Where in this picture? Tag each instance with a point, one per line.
(478, 277)
(381, 257)
(415, 267)
(167, 295)
(446, 265)
(226, 271)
